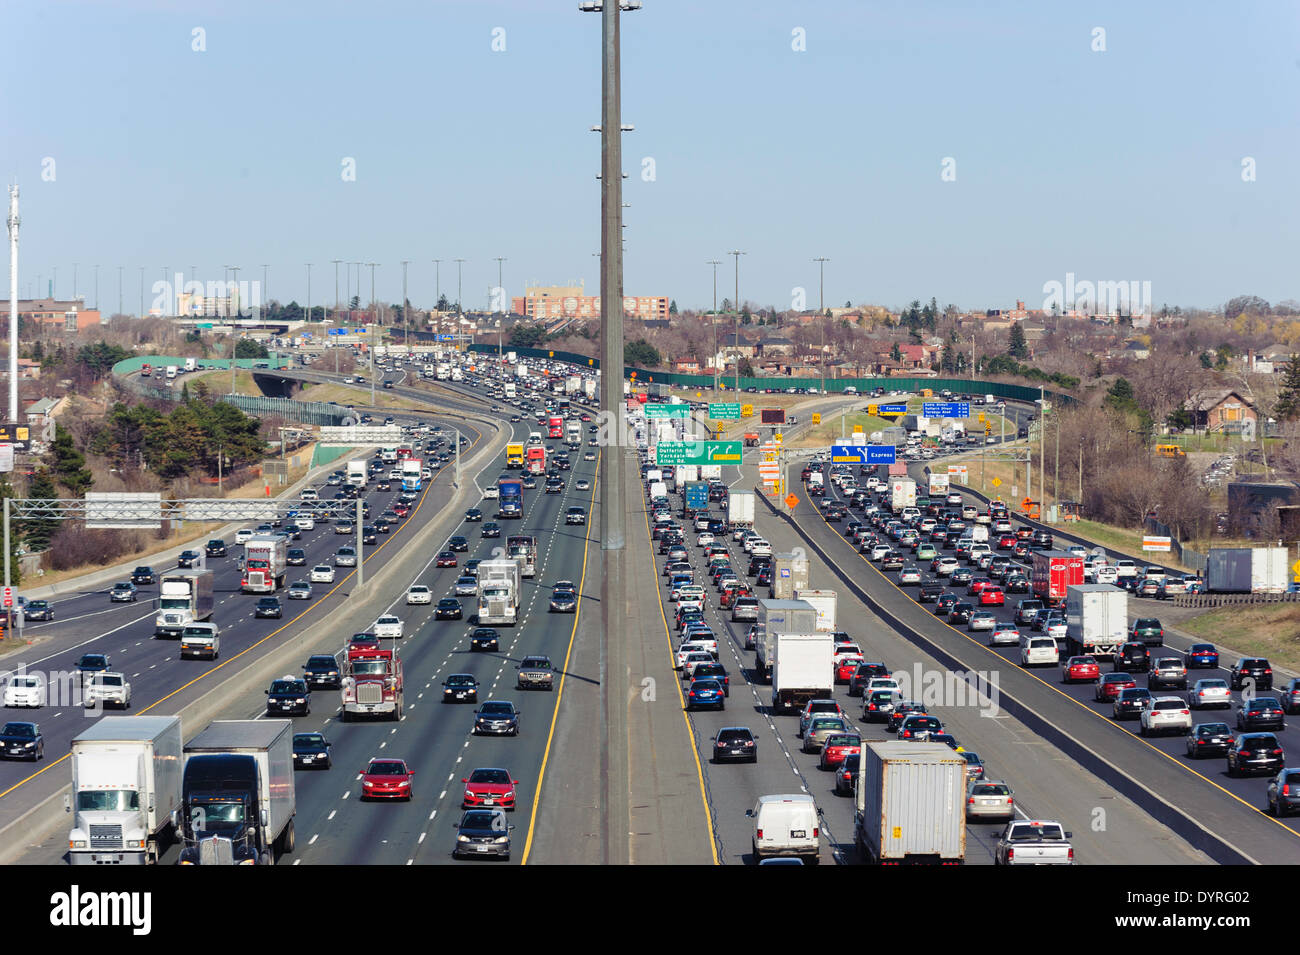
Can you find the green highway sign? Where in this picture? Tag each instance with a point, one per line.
(698, 452)
(725, 411)
(667, 411)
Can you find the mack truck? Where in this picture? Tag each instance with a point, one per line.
(126, 790)
(184, 597)
(238, 791)
(510, 498)
(499, 583)
(372, 682)
(573, 432)
(535, 460)
(264, 565)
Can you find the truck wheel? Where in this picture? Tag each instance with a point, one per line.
(286, 839)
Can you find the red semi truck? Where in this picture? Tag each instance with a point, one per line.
(1052, 574)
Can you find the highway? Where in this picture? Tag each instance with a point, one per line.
(1221, 815)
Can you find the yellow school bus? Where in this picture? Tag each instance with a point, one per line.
(1170, 451)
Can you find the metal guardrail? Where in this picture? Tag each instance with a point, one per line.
(1211, 601)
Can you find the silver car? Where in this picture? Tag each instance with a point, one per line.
(982, 620)
(1207, 693)
(820, 729)
(466, 586)
(989, 800)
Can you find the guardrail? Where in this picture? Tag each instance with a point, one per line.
(1210, 601)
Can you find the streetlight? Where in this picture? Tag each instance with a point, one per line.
(713, 322)
(613, 585)
(406, 334)
(336, 287)
(735, 318)
(458, 262)
(372, 265)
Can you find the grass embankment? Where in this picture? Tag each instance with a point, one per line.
(1270, 630)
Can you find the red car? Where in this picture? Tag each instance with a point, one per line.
(1080, 668)
(1108, 686)
(446, 559)
(992, 597)
(489, 787)
(1006, 541)
(977, 585)
(401, 509)
(386, 779)
(836, 748)
(845, 669)
(1024, 533)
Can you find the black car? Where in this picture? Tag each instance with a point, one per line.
(369, 535)
(1256, 669)
(491, 529)
(460, 688)
(1283, 793)
(864, 674)
(295, 557)
(735, 744)
(321, 669)
(496, 718)
(188, 558)
(960, 612)
(1132, 658)
(962, 576)
(846, 776)
(943, 604)
(289, 695)
(143, 576)
(930, 591)
(1255, 753)
(714, 671)
(38, 610)
(484, 638)
(1128, 705)
(1261, 713)
(448, 609)
(458, 544)
(474, 514)
(22, 741)
(312, 751)
(1208, 739)
(93, 663)
(563, 600)
(483, 832)
(384, 485)
(269, 607)
(215, 548)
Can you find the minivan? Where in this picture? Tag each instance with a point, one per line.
(786, 825)
(1038, 651)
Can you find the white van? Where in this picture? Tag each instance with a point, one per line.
(1038, 651)
(786, 825)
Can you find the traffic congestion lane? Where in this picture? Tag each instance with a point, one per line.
(1205, 810)
(160, 679)
(1173, 746)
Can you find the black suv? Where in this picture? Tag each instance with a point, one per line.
(215, 548)
(1252, 668)
(143, 575)
(321, 669)
(296, 557)
(288, 695)
(1255, 753)
(1132, 658)
(269, 607)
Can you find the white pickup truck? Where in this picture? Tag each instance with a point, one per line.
(1034, 842)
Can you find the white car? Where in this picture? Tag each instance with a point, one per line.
(946, 566)
(704, 539)
(1206, 693)
(107, 688)
(419, 594)
(1040, 651)
(490, 493)
(687, 648)
(880, 683)
(694, 660)
(844, 651)
(1106, 574)
(322, 574)
(388, 626)
(305, 523)
(1160, 714)
(25, 689)
(243, 535)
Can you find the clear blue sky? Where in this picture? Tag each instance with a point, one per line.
(1115, 165)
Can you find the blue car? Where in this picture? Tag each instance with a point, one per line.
(706, 692)
(1202, 655)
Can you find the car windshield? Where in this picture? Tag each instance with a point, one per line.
(1029, 833)
(1213, 729)
(726, 736)
(308, 739)
(536, 663)
(19, 730)
(491, 776)
(497, 709)
(1212, 684)
(460, 679)
(321, 661)
(481, 820)
(287, 686)
(390, 768)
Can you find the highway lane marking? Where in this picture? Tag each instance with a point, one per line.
(1127, 733)
(331, 815)
(312, 840)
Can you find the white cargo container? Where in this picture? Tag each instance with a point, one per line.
(126, 789)
(740, 510)
(708, 471)
(803, 669)
(938, 484)
(184, 597)
(902, 493)
(775, 617)
(1096, 618)
(824, 602)
(911, 804)
(1269, 573)
(789, 575)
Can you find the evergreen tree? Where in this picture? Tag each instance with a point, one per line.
(1288, 398)
(37, 531)
(672, 307)
(1018, 347)
(70, 464)
(896, 353)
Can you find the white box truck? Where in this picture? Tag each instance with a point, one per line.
(708, 471)
(184, 597)
(789, 575)
(190, 364)
(803, 669)
(126, 790)
(1096, 618)
(238, 792)
(740, 511)
(902, 493)
(775, 617)
(572, 384)
(824, 602)
(358, 471)
(498, 593)
(911, 804)
(938, 484)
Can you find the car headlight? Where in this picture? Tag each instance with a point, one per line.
(501, 840)
(462, 838)
(135, 843)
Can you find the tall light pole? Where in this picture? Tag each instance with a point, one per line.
(142, 291)
(74, 280)
(406, 335)
(336, 262)
(265, 297)
(13, 221)
(735, 318)
(458, 262)
(821, 261)
(437, 293)
(713, 322)
(501, 290)
(372, 265)
(615, 674)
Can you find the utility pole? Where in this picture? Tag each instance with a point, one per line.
(1042, 451)
(142, 291)
(13, 222)
(613, 588)
(735, 318)
(336, 287)
(713, 323)
(821, 314)
(361, 574)
(458, 263)
(372, 355)
(406, 319)
(437, 293)
(119, 288)
(97, 290)
(265, 297)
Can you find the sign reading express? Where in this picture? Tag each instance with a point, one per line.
(698, 452)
